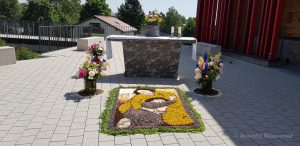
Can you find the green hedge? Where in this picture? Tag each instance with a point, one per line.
(24, 53)
(2, 43)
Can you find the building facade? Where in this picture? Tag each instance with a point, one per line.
(264, 29)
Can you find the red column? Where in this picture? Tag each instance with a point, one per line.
(269, 29)
(276, 30)
(250, 40)
(220, 21)
(204, 20)
(227, 21)
(207, 22)
(198, 28)
(264, 29)
(247, 27)
(212, 21)
(262, 18)
(237, 31)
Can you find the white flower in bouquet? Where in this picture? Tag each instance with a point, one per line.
(90, 77)
(92, 73)
(197, 70)
(221, 65)
(218, 77)
(211, 63)
(198, 76)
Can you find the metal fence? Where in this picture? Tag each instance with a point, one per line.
(47, 36)
(20, 28)
(61, 36)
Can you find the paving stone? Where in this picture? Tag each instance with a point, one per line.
(17, 130)
(137, 136)
(122, 139)
(26, 140)
(186, 142)
(48, 127)
(105, 137)
(171, 145)
(152, 137)
(202, 143)
(7, 143)
(41, 142)
(90, 142)
(51, 121)
(169, 139)
(59, 137)
(34, 126)
(11, 137)
(62, 130)
(155, 143)
(215, 140)
(76, 132)
(45, 134)
(3, 133)
(138, 142)
(60, 143)
(91, 135)
(74, 140)
(106, 143)
(182, 135)
(78, 125)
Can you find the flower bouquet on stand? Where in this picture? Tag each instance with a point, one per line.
(209, 69)
(91, 70)
(152, 23)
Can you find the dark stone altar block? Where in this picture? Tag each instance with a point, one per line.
(151, 58)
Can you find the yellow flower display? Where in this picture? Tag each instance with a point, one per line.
(124, 107)
(176, 114)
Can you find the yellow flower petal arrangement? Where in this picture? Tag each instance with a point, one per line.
(149, 110)
(175, 114)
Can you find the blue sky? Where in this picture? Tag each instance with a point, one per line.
(185, 7)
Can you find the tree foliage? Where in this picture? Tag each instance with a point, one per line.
(55, 11)
(132, 13)
(8, 9)
(39, 10)
(189, 28)
(173, 18)
(94, 7)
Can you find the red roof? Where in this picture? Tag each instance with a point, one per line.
(115, 22)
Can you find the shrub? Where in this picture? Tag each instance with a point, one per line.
(2, 42)
(24, 53)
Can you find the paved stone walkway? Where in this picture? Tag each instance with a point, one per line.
(260, 105)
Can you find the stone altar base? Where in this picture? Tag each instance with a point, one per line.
(151, 58)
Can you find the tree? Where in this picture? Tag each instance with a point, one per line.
(39, 10)
(132, 13)
(22, 8)
(94, 7)
(189, 28)
(67, 10)
(55, 11)
(173, 18)
(8, 9)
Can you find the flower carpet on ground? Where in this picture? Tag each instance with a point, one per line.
(149, 110)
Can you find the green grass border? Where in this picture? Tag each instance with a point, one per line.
(106, 115)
